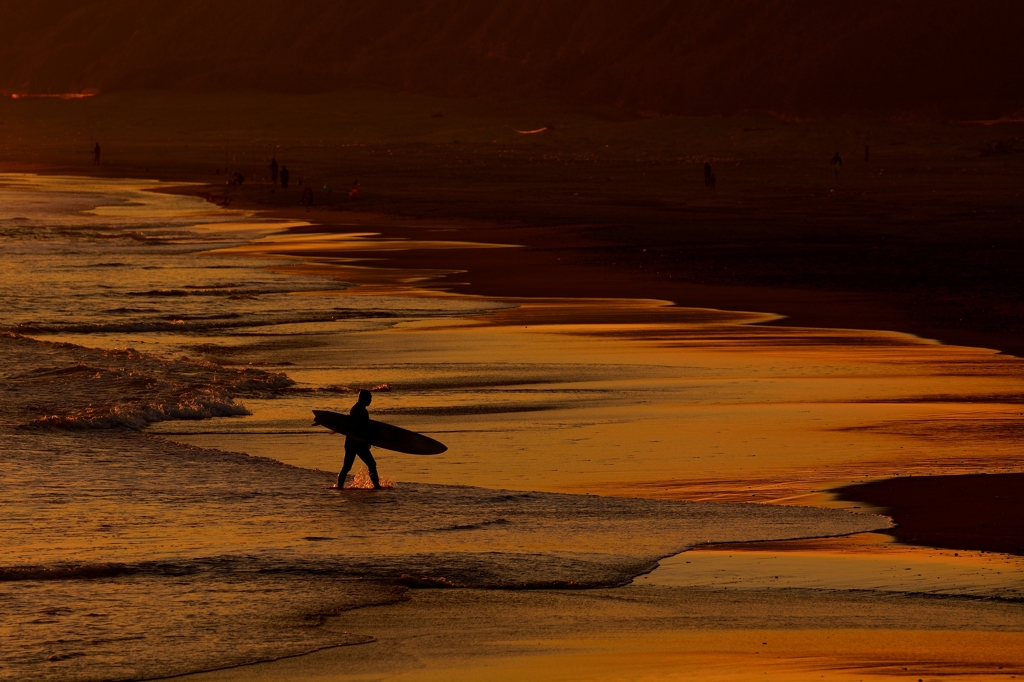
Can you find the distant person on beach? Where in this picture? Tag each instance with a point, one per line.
(837, 163)
(307, 196)
(273, 171)
(707, 173)
(354, 192)
(96, 154)
(284, 177)
(356, 446)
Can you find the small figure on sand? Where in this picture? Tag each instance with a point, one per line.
(354, 192)
(707, 174)
(273, 170)
(356, 446)
(837, 163)
(96, 154)
(307, 196)
(284, 177)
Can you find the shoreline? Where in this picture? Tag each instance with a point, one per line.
(537, 271)
(305, 665)
(584, 257)
(522, 275)
(564, 261)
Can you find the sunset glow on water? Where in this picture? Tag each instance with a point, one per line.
(448, 341)
(165, 498)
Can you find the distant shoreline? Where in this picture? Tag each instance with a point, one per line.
(586, 260)
(565, 261)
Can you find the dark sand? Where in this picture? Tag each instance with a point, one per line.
(977, 511)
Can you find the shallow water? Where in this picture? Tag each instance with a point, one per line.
(119, 548)
(155, 343)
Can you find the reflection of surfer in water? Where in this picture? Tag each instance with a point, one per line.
(357, 446)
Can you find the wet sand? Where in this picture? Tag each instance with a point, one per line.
(595, 248)
(876, 562)
(875, 643)
(641, 633)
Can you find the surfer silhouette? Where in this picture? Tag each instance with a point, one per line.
(357, 446)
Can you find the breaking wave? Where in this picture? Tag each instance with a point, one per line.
(77, 388)
(138, 416)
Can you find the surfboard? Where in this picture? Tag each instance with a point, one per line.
(379, 434)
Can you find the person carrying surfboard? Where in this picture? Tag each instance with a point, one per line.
(357, 446)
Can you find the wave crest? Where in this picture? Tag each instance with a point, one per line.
(137, 417)
(77, 388)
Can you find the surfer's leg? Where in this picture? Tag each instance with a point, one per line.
(371, 465)
(350, 458)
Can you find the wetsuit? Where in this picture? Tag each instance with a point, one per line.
(356, 446)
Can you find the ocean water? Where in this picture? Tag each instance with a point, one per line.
(126, 555)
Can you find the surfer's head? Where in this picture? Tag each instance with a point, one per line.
(365, 397)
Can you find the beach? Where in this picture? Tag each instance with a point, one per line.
(647, 477)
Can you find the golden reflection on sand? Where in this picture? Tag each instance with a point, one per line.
(633, 397)
(866, 561)
(578, 408)
(650, 633)
(283, 245)
(642, 399)
(636, 398)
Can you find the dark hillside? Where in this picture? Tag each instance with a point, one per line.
(940, 58)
